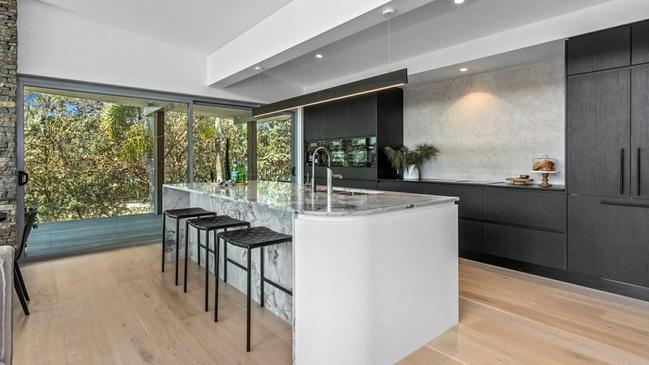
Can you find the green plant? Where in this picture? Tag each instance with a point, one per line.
(402, 157)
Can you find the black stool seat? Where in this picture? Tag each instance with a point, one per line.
(254, 237)
(216, 222)
(250, 239)
(182, 213)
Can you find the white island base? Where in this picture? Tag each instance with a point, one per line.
(371, 289)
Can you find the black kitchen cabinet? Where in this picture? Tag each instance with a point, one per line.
(362, 116)
(470, 204)
(314, 122)
(470, 235)
(526, 245)
(609, 238)
(601, 50)
(598, 133)
(640, 132)
(545, 209)
(640, 42)
(401, 186)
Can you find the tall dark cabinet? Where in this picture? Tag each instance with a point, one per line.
(376, 115)
(608, 154)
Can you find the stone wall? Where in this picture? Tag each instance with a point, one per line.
(489, 126)
(8, 65)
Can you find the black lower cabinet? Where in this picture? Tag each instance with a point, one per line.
(609, 239)
(470, 235)
(524, 244)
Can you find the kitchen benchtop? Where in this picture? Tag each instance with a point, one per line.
(493, 184)
(299, 199)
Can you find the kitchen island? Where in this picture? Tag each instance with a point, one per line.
(374, 274)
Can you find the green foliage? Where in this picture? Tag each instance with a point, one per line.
(274, 149)
(402, 157)
(117, 120)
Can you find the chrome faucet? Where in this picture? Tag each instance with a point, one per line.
(330, 174)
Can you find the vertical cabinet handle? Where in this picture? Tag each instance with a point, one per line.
(621, 171)
(638, 170)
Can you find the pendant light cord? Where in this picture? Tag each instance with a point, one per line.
(389, 48)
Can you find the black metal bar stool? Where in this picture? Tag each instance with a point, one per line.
(178, 214)
(249, 239)
(210, 224)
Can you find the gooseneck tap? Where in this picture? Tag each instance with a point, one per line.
(330, 174)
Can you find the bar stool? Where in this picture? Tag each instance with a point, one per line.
(249, 239)
(178, 214)
(210, 224)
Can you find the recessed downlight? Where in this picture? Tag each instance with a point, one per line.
(458, 2)
(464, 69)
(319, 56)
(258, 68)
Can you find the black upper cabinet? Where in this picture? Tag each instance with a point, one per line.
(640, 42)
(599, 51)
(336, 117)
(598, 133)
(314, 122)
(362, 116)
(640, 132)
(607, 240)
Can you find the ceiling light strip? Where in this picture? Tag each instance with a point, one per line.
(360, 87)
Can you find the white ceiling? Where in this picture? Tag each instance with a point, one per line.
(197, 25)
(434, 26)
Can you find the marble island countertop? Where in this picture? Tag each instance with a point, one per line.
(299, 199)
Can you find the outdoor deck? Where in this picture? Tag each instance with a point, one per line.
(60, 238)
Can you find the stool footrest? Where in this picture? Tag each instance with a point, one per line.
(285, 290)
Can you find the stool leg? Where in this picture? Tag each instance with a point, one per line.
(19, 274)
(217, 242)
(199, 255)
(164, 241)
(248, 303)
(186, 254)
(207, 267)
(261, 297)
(21, 295)
(177, 246)
(225, 260)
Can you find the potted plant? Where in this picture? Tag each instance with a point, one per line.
(408, 161)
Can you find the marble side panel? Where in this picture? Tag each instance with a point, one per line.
(171, 199)
(278, 259)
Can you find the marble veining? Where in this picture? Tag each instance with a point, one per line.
(273, 204)
(298, 199)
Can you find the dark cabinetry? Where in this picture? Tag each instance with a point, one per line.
(640, 42)
(602, 50)
(598, 133)
(525, 244)
(609, 239)
(640, 131)
(377, 115)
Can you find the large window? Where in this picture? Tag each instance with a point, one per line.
(220, 141)
(87, 155)
(274, 140)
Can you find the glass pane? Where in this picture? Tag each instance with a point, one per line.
(274, 140)
(91, 161)
(220, 141)
(175, 144)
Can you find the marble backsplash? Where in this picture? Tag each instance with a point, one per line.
(489, 126)
(278, 259)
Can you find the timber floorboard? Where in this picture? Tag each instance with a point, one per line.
(115, 307)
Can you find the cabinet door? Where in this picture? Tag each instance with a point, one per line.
(401, 186)
(313, 123)
(470, 204)
(336, 119)
(598, 133)
(640, 132)
(609, 241)
(362, 116)
(470, 235)
(525, 245)
(599, 51)
(543, 209)
(640, 45)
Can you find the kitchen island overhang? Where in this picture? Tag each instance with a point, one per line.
(374, 274)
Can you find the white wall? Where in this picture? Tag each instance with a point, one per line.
(489, 126)
(60, 44)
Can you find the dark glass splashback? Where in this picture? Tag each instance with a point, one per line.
(346, 152)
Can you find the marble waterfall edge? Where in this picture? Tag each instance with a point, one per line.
(278, 258)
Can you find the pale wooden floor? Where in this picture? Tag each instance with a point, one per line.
(115, 307)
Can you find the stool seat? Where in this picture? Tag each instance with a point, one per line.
(254, 237)
(182, 213)
(216, 222)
